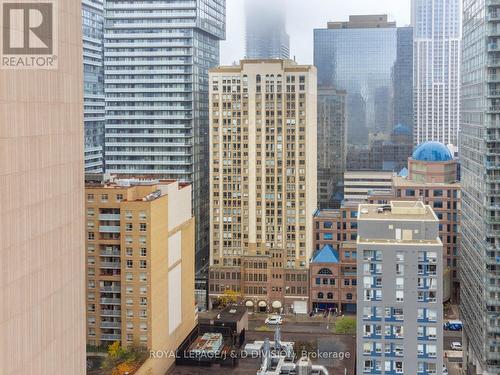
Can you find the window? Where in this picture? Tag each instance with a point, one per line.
(143, 301)
(130, 263)
(129, 227)
(119, 197)
(328, 236)
(348, 296)
(399, 296)
(329, 296)
(90, 197)
(90, 236)
(143, 277)
(325, 271)
(143, 252)
(142, 264)
(104, 197)
(142, 215)
(142, 227)
(328, 225)
(90, 212)
(320, 295)
(130, 251)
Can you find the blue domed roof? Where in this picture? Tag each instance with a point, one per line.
(432, 151)
(401, 129)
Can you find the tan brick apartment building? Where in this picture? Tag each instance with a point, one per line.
(262, 181)
(140, 264)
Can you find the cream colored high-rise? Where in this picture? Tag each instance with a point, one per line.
(42, 316)
(262, 180)
(140, 265)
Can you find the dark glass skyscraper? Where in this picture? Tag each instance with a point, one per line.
(157, 57)
(360, 57)
(402, 78)
(93, 82)
(266, 36)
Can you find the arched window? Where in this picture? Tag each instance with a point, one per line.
(325, 271)
(349, 296)
(329, 296)
(320, 295)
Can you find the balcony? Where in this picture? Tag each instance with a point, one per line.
(493, 47)
(109, 229)
(110, 337)
(111, 313)
(109, 217)
(493, 17)
(113, 325)
(110, 265)
(110, 301)
(113, 289)
(110, 253)
(493, 78)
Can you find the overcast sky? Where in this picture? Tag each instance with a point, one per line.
(302, 17)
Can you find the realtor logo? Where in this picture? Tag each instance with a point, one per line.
(28, 35)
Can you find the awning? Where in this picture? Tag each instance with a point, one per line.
(276, 305)
(262, 304)
(249, 303)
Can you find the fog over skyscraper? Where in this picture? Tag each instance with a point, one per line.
(266, 36)
(436, 70)
(361, 56)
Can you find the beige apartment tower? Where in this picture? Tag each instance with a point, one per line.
(262, 181)
(140, 264)
(42, 314)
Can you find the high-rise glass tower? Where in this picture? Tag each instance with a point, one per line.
(157, 55)
(436, 73)
(402, 78)
(331, 145)
(360, 56)
(480, 159)
(93, 85)
(266, 36)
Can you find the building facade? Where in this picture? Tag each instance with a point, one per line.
(262, 181)
(360, 56)
(265, 35)
(480, 156)
(93, 84)
(357, 184)
(432, 178)
(331, 145)
(140, 264)
(384, 153)
(42, 329)
(156, 85)
(436, 73)
(400, 269)
(333, 280)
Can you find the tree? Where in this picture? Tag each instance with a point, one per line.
(128, 367)
(345, 326)
(229, 297)
(115, 351)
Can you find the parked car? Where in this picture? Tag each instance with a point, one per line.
(445, 370)
(453, 325)
(274, 320)
(456, 345)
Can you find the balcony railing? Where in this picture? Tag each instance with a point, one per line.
(111, 313)
(111, 265)
(115, 289)
(115, 325)
(110, 301)
(109, 229)
(110, 337)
